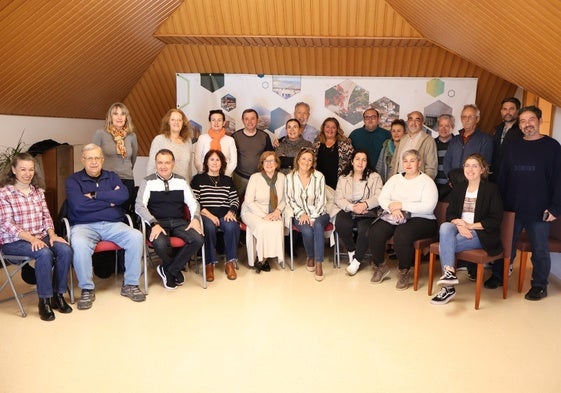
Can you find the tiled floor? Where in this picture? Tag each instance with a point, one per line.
(284, 332)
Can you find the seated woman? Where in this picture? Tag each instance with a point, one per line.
(26, 229)
(216, 139)
(356, 194)
(262, 210)
(333, 150)
(175, 135)
(219, 203)
(473, 218)
(290, 145)
(409, 193)
(383, 166)
(305, 194)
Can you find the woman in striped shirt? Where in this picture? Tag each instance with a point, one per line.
(219, 202)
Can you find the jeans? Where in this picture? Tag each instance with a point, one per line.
(173, 264)
(344, 227)
(538, 233)
(312, 237)
(452, 242)
(44, 259)
(231, 230)
(84, 238)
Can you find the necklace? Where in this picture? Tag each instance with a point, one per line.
(214, 179)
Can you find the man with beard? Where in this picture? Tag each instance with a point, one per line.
(530, 187)
(505, 132)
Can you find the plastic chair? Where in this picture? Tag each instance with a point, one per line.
(481, 257)
(19, 262)
(524, 246)
(103, 245)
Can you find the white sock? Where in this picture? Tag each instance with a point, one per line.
(351, 255)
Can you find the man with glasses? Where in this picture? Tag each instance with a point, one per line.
(160, 202)
(370, 136)
(94, 197)
(416, 139)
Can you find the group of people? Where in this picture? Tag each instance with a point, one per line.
(373, 185)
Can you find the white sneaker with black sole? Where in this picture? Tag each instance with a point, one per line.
(444, 296)
(448, 278)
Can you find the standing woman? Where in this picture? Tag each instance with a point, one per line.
(27, 229)
(356, 195)
(410, 192)
(305, 193)
(175, 135)
(219, 203)
(333, 151)
(216, 139)
(290, 145)
(473, 218)
(383, 166)
(262, 210)
(120, 147)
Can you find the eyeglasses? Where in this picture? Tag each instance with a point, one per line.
(415, 119)
(269, 161)
(92, 159)
(371, 117)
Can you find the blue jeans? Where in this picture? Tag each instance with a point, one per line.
(44, 259)
(312, 237)
(84, 238)
(193, 242)
(538, 233)
(231, 231)
(452, 242)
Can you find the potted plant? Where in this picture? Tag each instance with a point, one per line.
(8, 154)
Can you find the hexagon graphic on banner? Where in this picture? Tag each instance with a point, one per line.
(278, 118)
(388, 109)
(197, 129)
(228, 102)
(431, 113)
(212, 82)
(347, 100)
(435, 87)
(286, 86)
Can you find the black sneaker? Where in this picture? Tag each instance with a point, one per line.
(169, 282)
(179, 279)
(536, 293)
(448, 278)
(86, 299)
(493, 282)
(444, 296)
(258, 267)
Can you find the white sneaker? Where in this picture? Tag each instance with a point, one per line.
(353, 267)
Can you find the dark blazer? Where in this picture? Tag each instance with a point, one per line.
(488, 211)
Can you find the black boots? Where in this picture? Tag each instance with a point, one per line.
(58, 303)
(45, 311)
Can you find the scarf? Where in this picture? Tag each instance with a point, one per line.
(119, 138)
(215, 137)
(273, 198)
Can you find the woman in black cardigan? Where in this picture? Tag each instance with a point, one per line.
(473, 221)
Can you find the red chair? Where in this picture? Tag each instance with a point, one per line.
(481, 257)
(524, 246)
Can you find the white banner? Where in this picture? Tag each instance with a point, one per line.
(274, 97)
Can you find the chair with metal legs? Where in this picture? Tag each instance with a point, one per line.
(18, 262)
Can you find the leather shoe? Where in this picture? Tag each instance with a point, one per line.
(45, 311)
(210, 272)
(258, 267)
(493, 282)
(58, 303)
(230, 270)
(266, 267)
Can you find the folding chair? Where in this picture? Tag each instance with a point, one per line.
(19, 262)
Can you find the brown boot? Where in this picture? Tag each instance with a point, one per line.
(230, 270)
(209, 272)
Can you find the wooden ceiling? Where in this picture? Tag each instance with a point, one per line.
(71, 58)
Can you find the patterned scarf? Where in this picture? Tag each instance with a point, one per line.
(273, 198)
(215, 137)
(119, 138)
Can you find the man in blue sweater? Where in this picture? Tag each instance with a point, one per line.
(370, 137)
(530, 186)
(94, 200)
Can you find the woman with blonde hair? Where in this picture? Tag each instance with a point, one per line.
(175, 135)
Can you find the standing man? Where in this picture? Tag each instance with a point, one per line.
(94, 198)
(530, 186)
(370, 137)
(446, 125)
(505, 132)
(469, 141)
(416, 139)
(160, 202)
(302, 114)
(250, 144)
